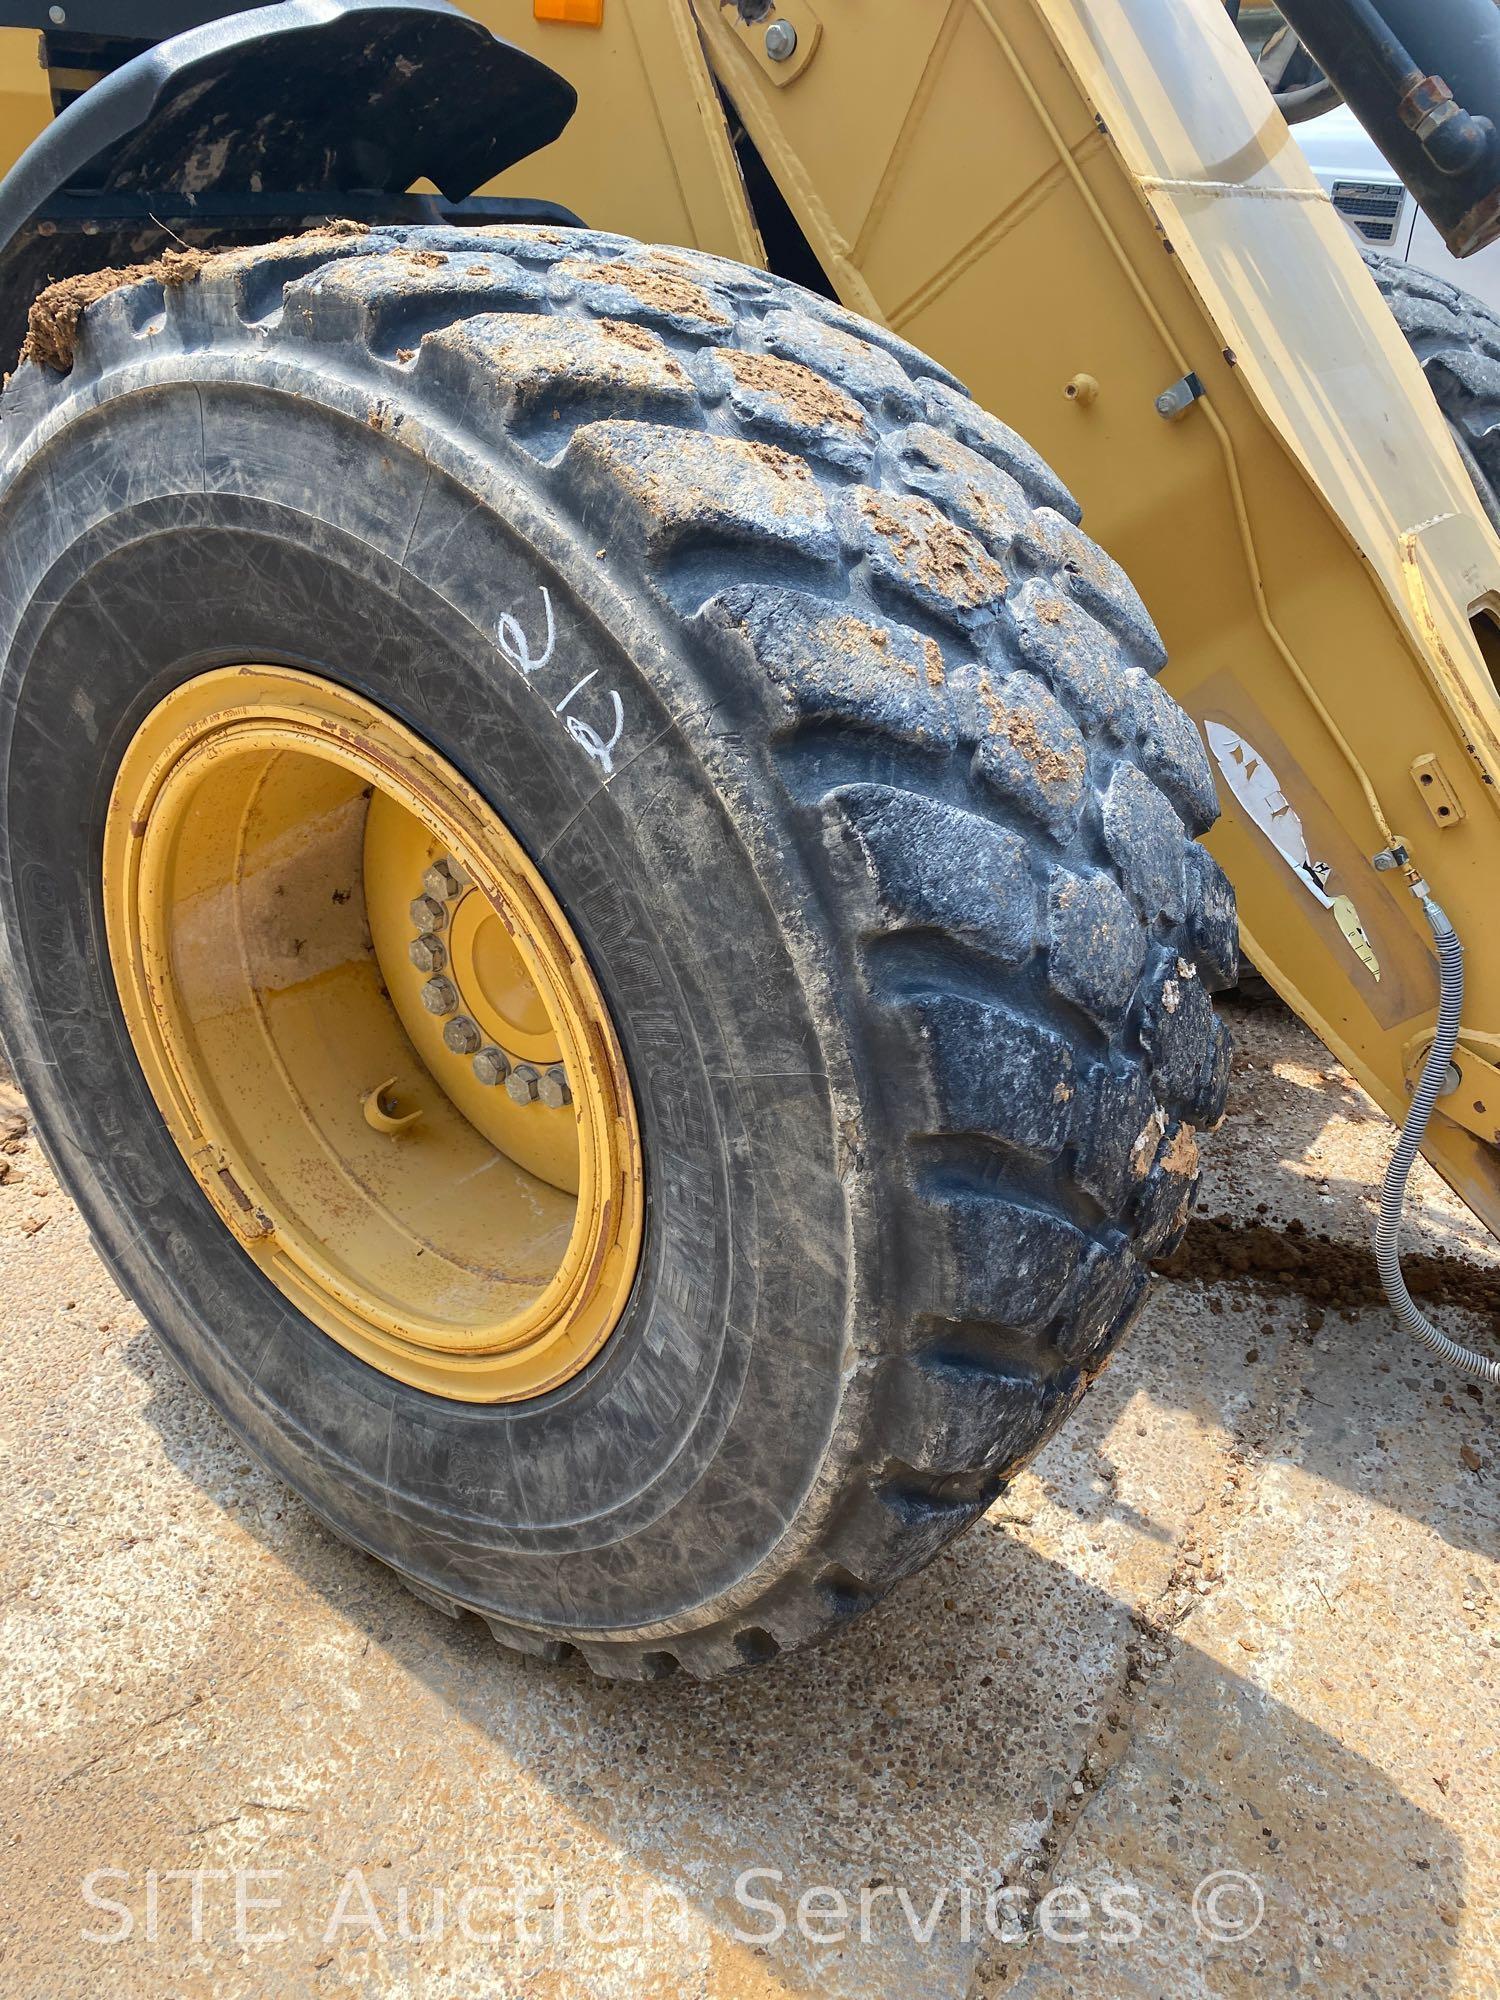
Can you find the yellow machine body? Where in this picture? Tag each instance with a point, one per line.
(25, 93)
(1084, 207)
(1078, 205)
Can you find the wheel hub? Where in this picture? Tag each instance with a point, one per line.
(466, 996)
(373, 1034)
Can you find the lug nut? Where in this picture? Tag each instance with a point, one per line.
(426, 953)
(522, 1083)
(781, 41)
(441, 880)
(461, 1035)
(428, 914)
(553, 1088)
(440, 996)
(491, 1066)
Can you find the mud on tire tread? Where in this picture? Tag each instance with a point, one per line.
(984, 804)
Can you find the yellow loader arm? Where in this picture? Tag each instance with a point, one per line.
(1093, 213)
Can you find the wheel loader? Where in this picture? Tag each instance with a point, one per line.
(607, 905)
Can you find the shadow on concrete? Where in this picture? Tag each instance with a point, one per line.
(938, 1743)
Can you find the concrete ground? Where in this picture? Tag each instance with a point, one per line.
(1208, 1705)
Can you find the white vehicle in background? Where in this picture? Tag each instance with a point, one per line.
(1362, 185)
(1378, 208)
(1447, 307)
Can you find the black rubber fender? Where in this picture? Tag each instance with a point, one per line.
(284, 107)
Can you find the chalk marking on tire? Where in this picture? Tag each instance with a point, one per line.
(516, 648)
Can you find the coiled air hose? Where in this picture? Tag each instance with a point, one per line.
(1393, 1194)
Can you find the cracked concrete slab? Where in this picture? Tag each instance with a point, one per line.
(1238, 1617)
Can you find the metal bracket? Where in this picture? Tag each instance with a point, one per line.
(1438, 795)
(783, 39)
(1474, 1100)
(1175, 401)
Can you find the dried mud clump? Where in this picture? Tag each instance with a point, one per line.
(806, 398)
(1052, 766)
(52, 328)
(664, 291)
(931, 550)
(640, 338)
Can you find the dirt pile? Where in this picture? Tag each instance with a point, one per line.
(1338, 1276)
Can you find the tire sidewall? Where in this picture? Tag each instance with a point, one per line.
(659, 1478)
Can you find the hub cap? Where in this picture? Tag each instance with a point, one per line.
(373, 1034)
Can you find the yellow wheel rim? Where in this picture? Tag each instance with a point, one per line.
(373, 1034)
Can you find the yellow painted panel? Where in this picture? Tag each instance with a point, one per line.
(890, 55)
(25, 95)
(1282, 279)
(647, 152)
(959, 169)
(1304, 535)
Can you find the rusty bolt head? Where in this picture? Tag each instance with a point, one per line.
(428, 914)
(491, 1066)
(461, 1035)
(426, 953)
(522, 1083)
(553, 1089)
(441, 880)
(440, 996)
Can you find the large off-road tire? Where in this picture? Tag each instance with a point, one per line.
(1457, 340)
(889, 883)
